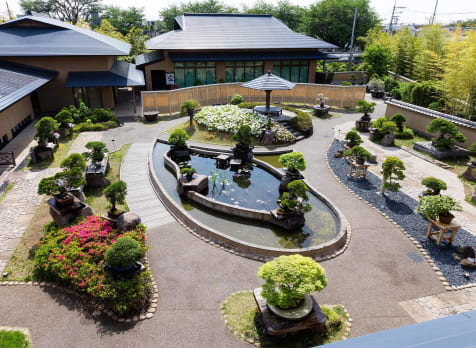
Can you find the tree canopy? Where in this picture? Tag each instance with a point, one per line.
(66, 10)
(123, 19)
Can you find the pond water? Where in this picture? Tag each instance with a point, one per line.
(259, 191)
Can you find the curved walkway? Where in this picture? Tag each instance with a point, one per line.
(369, 279)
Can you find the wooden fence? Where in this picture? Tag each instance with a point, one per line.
(168, 102)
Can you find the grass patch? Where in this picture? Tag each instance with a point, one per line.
(409, 142)
(5, 192)
(14, 339)
(94, 196)
(273, 160)
(244, 318)
(61, 152)
(20, 265)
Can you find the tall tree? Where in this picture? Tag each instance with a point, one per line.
(106, 28)
(332, 20)
(289, 14)
(123, 19)
(66, 10)
(137, 40)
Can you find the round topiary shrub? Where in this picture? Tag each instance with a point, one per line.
(433, 185)
(178, 138)
(123, 253)
(293, 161)
(289, 278)
(236, 99)
(353, 138)
(399, 119)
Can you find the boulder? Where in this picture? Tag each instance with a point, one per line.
(388, 140)
(268, 137)
(128, 221)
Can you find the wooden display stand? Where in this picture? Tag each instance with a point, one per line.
(356, 169)
(443, 232)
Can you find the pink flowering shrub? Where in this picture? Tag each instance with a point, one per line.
(74, 256)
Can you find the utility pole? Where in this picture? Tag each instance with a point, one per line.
(434, 13)
(391, 18)
(351, 56)
(10, 14)
(394, 18)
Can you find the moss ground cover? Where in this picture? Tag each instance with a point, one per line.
(60, 154)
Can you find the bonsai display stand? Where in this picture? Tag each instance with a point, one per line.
(362, 126)
(321, 111)
(65, 215)
(277, 326)
(96, 173)
(235, 164)
(199, 183)
(41, 153)
(223, 160)
(444, 232)
(356, 169)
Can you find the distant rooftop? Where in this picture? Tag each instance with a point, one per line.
(232, 31)
(44, 36)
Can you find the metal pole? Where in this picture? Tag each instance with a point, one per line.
(268, 99)
(434, 13)
(391, 18)
(352, 41)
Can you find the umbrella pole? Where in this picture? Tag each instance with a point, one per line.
(268, 99)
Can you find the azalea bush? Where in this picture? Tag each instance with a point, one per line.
(229, 118)
(74, 256)
(433, 206)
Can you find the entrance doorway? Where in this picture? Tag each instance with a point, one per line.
(158, 79)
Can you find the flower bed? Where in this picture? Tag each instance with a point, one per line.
(228, 118)
(74, 256)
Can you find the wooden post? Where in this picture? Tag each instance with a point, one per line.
(134, 98)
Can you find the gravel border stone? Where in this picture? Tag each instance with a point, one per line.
(399, 208)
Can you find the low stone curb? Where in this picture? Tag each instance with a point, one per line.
(148, 314)
(422, 251)
(347, 324)
(425, 158)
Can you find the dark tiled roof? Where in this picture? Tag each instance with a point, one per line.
(231, 31)
(45, 36)
(234, 56)
(17, 81)
(122, 74)
(269, 82)
(149, 57)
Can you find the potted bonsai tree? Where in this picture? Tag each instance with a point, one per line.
(188, 173)
(393, 168)
(377, 88)
(44, 130)
(97, 151)
(188, 108)
(399, 120)
(353, 138)
(58, 186)
(65, 119)
(75, 160)
(366, 108)
(294, 162)
(123, 254)
(178, 143)
(382, 129)
(433, 185)
(115, 193)
(236, 99)
(434, 207)
(288, 282)
(243, 150)
(361, 154)
(448, 135)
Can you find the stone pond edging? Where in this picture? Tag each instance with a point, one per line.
(325, 251)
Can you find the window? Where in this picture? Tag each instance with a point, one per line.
(21, 126)
(292, 70)
(243, 71)
(195, 73)
(3, 141)
(91, 96)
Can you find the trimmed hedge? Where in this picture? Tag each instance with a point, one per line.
(95, 127)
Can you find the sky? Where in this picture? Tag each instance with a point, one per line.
(414, 11)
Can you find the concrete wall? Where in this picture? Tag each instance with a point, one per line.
(418, 119)
(54, 95)
(13, 115)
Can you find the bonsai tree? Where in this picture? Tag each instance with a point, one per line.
(123, 254)
(384, 126)
(81, 114)
(115, 193)
(59, 184)
(377, 85)
(361, 154)
(293, 162)
(393, 168)
(243, 136)
(294, 201)
(97, 150)
(448, 133)
(44, 130)
(236, 99)
(437, 206)
(472, 149)
(289, 278)
(64, 117)
(353, 138)
(75, 160)
(365, 107)
(178, 138)
(188, 172)
(399, 120)
(188, 108)
(433, 185)
(49, 186)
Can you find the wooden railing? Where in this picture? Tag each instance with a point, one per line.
(168, 102)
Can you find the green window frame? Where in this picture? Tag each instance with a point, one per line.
(292, 70)
(188, 74)
(242, 71)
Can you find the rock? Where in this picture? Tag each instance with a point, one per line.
(268, 137)
(128, 221)
(289, 223)
(470, 172)
(198, 183)
(388, 140)
(465, 252)
(465, 263)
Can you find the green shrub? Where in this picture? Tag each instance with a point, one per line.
(123, 253)
(360, 153)
(248, 105)
(95, 127)
(365, 107)
(393, 168)
(45, 128)
(384, 126)
(75, 160)
(243, 135)
(81, 114)
(187, 171)
(399, 119)
(472, 148)
(221, 80)
(302, 121)
(433, 185)
(390, 84)
(116, 193)
(189, 107)
(334, 320)
(353, 138)
(448, 133)
(236, 99)
(345, 83)
(178, 137)
(14, 339)
(97, 150)
(294, 201)
(64, 117)
(293, 161)
(103, 115)
(289, 278)
(406, 133)
(425, 93)
(433, 206)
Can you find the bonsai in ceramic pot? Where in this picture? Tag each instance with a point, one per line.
(115, 193)
(188, 173)
(44, 130)
(178, 144)
(294, 162)
(433, 185)
(361, 154)
(123, 254)
(288, 282)
(366, 108)
(58, 186)
(97, 151)
(243, 149)
(438, 207)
